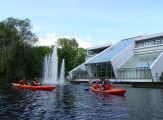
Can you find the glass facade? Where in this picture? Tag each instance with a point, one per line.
(134, 73)
(149, 42)
(80, 73)
(111, 52)
(138, 67)
(96, 51)
(102, 70)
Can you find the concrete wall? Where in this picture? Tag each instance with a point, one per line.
(148, 49)
(157, 68)
(122, 58)
(131, 80)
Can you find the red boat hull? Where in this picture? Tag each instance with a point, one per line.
(29, 87)
(113, 91)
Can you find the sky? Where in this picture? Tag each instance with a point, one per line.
(91, 22)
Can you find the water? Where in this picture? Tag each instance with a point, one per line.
(62, 73)
(50, 75)
(74, 102)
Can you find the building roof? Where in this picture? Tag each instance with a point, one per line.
(141, 60)
(144, 37)
(99, 46)
(109, 53)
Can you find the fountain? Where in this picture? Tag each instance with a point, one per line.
(62, 73)
(50, 75)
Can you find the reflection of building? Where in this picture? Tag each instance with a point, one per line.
(134, 59)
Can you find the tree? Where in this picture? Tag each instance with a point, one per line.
(70, 51)
(82, 53)
(40, 53)
(16, 42)
(20, 57)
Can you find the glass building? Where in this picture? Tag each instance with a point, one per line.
(101, 65)
(137, 59)
(138, 67)
(102, 70)
(81, 71)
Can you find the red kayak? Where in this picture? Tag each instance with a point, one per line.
(29, 87)
(113, 91)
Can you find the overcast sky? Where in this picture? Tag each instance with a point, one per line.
(91, 22)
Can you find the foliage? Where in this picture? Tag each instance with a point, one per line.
(40, 53)
(71, 52)
(18, 55)
(82, 53)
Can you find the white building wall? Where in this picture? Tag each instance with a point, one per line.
(145, 37)
(148, 49)
(122, 58)
(157, 68)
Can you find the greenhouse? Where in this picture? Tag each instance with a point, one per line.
(134, 59)
(138, 67)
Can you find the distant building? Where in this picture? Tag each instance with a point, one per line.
(137, 59)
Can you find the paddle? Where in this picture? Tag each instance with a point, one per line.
(41, 82)
(86, 89)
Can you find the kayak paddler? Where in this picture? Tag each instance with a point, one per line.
(36, 82)
(23, 81)
(105, 84)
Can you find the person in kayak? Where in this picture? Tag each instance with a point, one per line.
(36, 82)
(105, 85)
(96, 85)
(23, 81)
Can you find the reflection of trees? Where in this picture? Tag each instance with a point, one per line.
(65, 100)
(13, 102)
(19, 103)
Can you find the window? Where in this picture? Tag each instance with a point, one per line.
(158, 42)
(149, 42)
(103, 70)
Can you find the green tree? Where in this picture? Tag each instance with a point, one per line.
(16, 43)
(40, 53)
(19, 56)
(70, 51)
(82, 53)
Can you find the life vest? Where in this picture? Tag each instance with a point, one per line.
(96, 86)
(23, 82)
(107, 86)
(35, 83)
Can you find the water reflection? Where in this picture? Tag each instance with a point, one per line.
(72, 102)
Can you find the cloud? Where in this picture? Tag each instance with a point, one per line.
(85, 43)
(35, 28)
(50, 38)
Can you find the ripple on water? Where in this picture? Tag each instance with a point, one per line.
(72, 102)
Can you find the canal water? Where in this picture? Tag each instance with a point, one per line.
(76, 102)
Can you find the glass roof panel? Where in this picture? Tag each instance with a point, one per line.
(111, 52)
(141, 60)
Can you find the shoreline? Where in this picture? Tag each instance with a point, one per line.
(131, 84)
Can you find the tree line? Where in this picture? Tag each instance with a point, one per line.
(20, 56)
